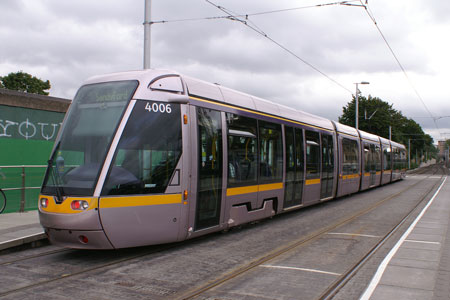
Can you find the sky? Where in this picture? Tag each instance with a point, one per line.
(327, 49)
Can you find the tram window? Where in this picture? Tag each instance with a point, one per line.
(290, 154)
(299, 153)
(377, 157)
(367, 160)
(312, 154)
(387, 158)
(271, 154)
(242, 150)
(350, 164)
(397, 162)
(146, 155)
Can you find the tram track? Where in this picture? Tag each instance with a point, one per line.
(129, 256)
(39, 255)
(331, 290)
(340, 282)
(154, 250)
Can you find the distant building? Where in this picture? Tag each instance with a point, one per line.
(29, 124)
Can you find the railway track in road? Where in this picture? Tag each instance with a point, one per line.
(88, 264)
(330, 290)
(124, 256)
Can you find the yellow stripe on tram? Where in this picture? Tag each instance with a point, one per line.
(110, 202)
(254, 189)
(312, 181)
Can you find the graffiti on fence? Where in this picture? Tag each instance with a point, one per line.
(22, 123)
(28, 130)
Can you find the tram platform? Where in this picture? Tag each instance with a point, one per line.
(418, 266)
(17, 229)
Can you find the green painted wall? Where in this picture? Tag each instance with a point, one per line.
(26, 138)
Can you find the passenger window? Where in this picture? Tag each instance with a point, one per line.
(242, 150)
(387, 158)
(350, 164)
(367, 160)
(377, 158)
(271, 154)
(312, 154)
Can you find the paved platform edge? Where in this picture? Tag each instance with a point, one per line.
(22, 241)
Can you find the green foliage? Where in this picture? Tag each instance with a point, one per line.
(24, 82)
(376, 115)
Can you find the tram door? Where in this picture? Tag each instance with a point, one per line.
(294, 167)
(326, 188)
(209, 178)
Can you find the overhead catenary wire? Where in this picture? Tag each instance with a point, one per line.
(239, 17)
(371, 16)
(254, 14)
(235, 17)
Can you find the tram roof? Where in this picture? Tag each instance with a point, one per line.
(369, 136)
(398, 145)
(345, 129)
(384, 141)
(215, 92)
(229, 96)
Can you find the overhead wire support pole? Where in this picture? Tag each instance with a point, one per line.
(147, 34)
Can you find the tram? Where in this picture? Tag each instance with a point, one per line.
(153, 156)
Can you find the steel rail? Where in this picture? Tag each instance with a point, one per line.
(87, 270)
(339, 283)
(21, 259)
(284, 249)
(215, 282)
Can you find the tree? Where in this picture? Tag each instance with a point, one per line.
(24, 82)
(376, 115)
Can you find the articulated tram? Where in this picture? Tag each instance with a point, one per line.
(152, 157)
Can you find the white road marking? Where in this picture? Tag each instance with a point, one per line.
(301, 269)
(423, 242)
(377, 277)
(354, 234)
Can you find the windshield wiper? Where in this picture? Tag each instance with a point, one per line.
(55, 181)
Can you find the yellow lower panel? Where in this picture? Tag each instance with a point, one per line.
(254, 189)
(350, 176)
(126, 201)
(64, 207)
(312, 181)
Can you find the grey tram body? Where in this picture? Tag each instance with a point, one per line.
(336, 160)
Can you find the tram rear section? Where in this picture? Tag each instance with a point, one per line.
(153, 157)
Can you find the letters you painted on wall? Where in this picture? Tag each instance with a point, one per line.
(24, 123)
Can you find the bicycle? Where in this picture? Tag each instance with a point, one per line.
(2, 201)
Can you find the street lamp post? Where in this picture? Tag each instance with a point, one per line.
(357, 102)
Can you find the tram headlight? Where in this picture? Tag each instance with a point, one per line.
(79, 205)
(44, 202)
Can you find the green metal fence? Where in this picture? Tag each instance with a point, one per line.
(21, 185)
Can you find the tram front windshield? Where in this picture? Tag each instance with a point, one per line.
(85, 138)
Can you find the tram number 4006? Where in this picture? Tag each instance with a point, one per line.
(158, 107)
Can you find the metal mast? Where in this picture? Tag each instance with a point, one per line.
(147, 36)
